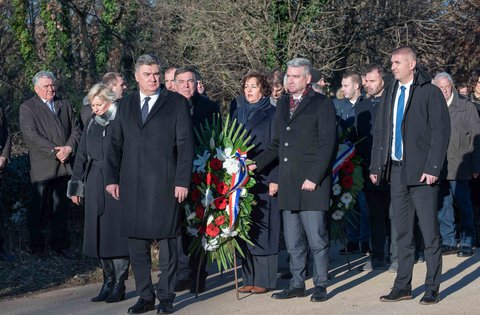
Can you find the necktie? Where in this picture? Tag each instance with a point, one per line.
(398, 123)
(145, 108)
(293, 105)
(50, 106)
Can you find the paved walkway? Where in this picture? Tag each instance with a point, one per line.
(350, 292)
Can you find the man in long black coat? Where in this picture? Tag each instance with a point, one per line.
(149, 165)
(410, 140)
(52, 133)
(305, 145)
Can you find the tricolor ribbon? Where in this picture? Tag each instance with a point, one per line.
(239, 179)
(345, 153)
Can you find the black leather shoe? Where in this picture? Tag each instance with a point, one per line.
(430, 297)
(165, 307)
(397, 295)
(183, 285)
(289, 293)
(104, 292)
(66, 253)
(448, 250)
(117, 294)
(319, 295)
(141, 306)
(465, 251)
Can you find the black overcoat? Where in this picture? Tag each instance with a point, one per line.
(305, 146)
(42, 131)
(148, 160)
(265, 229)
(102, 213)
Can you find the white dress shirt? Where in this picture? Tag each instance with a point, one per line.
(407, 94)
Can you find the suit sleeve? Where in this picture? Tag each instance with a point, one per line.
(6, 147)
(34, 140)
(114, 149)
(271, 153)
(75, 130)
(185, 146)
(327, 140)
(439, 123)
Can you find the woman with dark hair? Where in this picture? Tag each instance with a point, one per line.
(102, 213)
(256, 113)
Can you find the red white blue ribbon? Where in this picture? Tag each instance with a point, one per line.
(239, 179)
(345, 153)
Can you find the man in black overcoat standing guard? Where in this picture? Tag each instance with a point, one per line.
(149, 165)
(305, 145)
(410, 140)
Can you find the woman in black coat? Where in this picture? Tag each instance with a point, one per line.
(102, 213)
(256, 113)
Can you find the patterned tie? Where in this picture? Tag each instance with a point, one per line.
(145, 109)
(398, 124)
(50, 106)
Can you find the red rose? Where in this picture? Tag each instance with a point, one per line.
(348, 167)
(220, 220)
(212, 230)
(214, 178)
(201, 230)
(220, 203)
(347, 182)
(200, 211)
(215, 164)
(197, 178)
(196, 195)
(222, 188)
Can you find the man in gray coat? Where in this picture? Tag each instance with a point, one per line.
(463, 161)
(51, 132)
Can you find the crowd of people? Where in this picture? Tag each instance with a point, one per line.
(128, 159)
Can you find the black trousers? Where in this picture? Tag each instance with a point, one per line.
(378, 205)
(140, 260)
(260, 271)
(50, 192)
(406, 202)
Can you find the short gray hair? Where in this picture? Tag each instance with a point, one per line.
(185, 70)
(43, 74)
(146, 60)
(443, 75)
(103, 91)
(301, 62)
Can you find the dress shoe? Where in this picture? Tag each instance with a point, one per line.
(374, 264)
(246, 289)
(259, 290)
(289, 293)
(66, 253)
(430, 297)
(117, 294)
(319, 295)
(448, 250)
(165, 307)
(465, 251)
(182, 285)
(419, 257)
(141, 306)
(397, 295)
(350, 248)
(104, 292)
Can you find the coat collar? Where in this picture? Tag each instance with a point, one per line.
(256, 119)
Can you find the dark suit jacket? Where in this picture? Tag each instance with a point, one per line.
(425, 131)
(148, 161)
(42, 131)
(305, 146)
(203, 109)
(5, 138)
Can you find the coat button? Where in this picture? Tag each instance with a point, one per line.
(286, 144)
(288, 128)
(285, 159)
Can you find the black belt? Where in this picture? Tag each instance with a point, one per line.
(396, 163)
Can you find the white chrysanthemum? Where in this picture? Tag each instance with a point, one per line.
(210, 245)
(231, 166)
(226, 233)
(192, 231)
(336, 189)
(244, 192)
(346, 198)
(337, 215)
(207, 198)
(200, 162)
